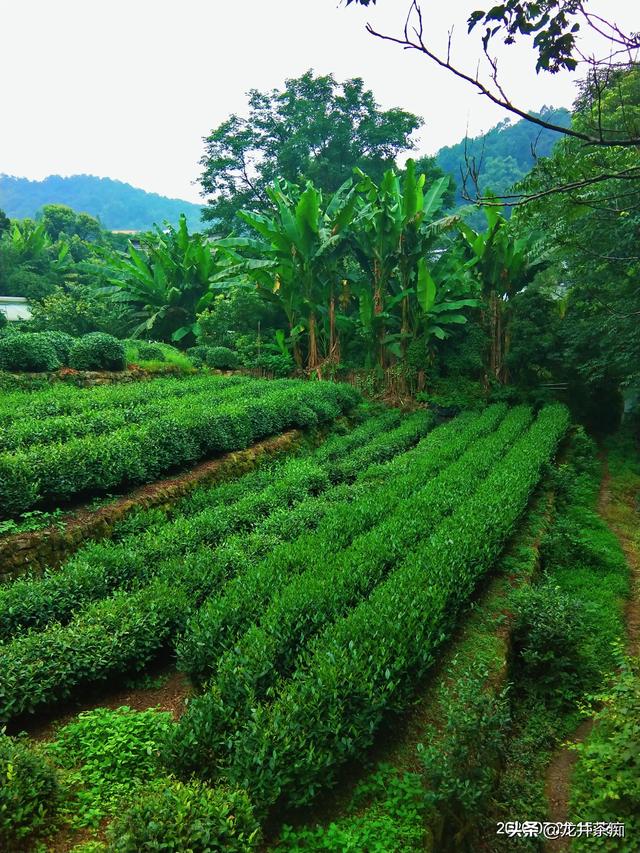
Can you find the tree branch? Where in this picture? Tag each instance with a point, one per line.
(413, 39)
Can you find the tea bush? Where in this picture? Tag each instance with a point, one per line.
(97, 351)
(32, 352)
(175, 817)
(29, 795)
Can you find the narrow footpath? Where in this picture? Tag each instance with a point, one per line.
(617, 507)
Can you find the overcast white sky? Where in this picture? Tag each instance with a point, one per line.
(128, 88)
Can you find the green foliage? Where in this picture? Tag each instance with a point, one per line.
(31, 353)
(60, 220)
(590, 236)
(278, 366)
(206, 517)
(141, 449)
(221, 358)
(107, 755)
(503, 156)
(237, 312)
(29, 284)
(389, 816)
(461, 762)
(167, 281)
(172, 816)
(77, 310)
(548, 636)
(154, 354)
(62, 344)
(29, 795)
(606, 784)
(97, 351)
(453, 395)
(331, 128)
(144, 351)
(363, 666)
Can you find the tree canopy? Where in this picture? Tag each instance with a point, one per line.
(314, 129)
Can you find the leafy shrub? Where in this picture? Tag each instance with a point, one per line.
(32, 352)
(453, 395)
(62, 344)
(548, 636)
(223, 358)
(606, 783)
(28, 794)
(107, 754)
(3, 320)
(188, 430)
(220, 358)
(147, 351)
(461, 763)
(32, 285)
(279, 365)
(97, 351)
(386, 812)
(172, 816)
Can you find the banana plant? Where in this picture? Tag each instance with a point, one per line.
(168, 281)
(505, 265)
(29, 240)
(296, 261)
(393, 230)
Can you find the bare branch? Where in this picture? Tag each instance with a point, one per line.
(413, 39)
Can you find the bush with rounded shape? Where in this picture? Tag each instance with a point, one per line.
(97, 351)
(220, 358)
(32, 352)
(144, 350)
(28, 795)
(173, 816)
(223, 358)
(62, 344)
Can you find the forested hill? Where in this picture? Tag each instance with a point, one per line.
(505, 154)
(117, 205)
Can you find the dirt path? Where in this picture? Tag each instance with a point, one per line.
(617, 509)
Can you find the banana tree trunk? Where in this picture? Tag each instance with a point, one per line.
(493, 334)
(334, 340)
(312, 358)
(378, 307)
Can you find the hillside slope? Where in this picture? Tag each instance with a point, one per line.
(504, 154)
(117, 205)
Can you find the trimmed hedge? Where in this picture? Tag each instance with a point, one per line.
(116, 635)
(328, 589)
(32, 352)
(224, 618)
(41, 667)
(142, 452)
(365, 666)
(97, 351)
(220, 358)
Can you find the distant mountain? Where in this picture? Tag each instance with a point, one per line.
(505, 154)
(117, 205)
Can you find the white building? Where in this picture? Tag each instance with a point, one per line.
(15, 307)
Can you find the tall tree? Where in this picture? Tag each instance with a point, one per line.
(315, 129)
